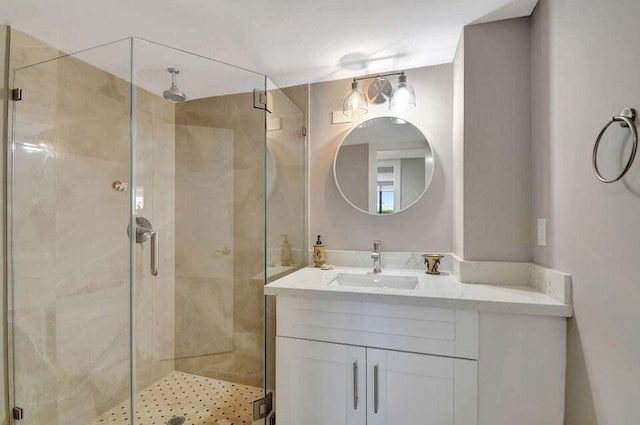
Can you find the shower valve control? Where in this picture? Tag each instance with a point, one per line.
(145, 232)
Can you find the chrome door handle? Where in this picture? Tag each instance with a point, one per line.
(375, 389)
(145, 232)
(155, 253)
(355, 385)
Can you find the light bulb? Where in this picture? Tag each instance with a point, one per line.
(356, 102)
(403, 97)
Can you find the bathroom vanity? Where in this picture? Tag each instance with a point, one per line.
(403, 347)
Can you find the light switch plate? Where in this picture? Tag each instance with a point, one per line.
(339, 117)
(542, 232)
(274, 124)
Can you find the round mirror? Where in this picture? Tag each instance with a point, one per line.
(383, 165)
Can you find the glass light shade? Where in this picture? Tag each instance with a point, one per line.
(403, 97)
(356, 102)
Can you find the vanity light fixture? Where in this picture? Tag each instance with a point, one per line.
(402, 98)
(356, 102)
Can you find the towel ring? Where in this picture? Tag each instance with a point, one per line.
(626, 120)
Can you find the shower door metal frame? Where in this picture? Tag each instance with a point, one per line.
(8, 176)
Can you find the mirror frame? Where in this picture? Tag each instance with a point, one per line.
(427, 181)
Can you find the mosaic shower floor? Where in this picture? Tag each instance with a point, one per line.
(200, 400)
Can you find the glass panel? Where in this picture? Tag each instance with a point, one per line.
(286, 196)
(192, 308)
(199, 322)
(69, 313)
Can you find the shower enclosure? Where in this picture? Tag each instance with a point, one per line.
(142, 232)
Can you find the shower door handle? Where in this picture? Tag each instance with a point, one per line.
(145, 232)
(155, 253)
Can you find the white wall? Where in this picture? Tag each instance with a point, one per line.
(586, 68)
(458, 149)
(426, 226)
(492, 140)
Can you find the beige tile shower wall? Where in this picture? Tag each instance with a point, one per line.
(204, 241)
(286, 189)
(286, 200)
(71, 252)
(427, 226)
(233, 117)
(156, 189)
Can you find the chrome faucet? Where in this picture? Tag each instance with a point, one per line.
(375, 255)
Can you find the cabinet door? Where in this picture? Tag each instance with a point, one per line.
(406, 388)
(320, 383)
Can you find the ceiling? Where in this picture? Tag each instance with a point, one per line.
(291, 41)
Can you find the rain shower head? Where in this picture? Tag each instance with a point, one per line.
(174, 94)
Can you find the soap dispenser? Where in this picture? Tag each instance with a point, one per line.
(319, 258)
(285, 252)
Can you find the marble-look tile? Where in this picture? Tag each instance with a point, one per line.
(164, 300)
(71, 313)
(204, 241)
(93, 126)
(155, 295)
(34, 376)
(34, 226)
(27, 50)
(92, 330)
(204, 316)
(235, 115)
(164, 179)
(204, 202)
(91, 218)
(286, 201)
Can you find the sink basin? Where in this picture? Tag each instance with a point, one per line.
(377, 281)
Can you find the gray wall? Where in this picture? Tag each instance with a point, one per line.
(586, 68)
(492, 139)
(427, 226)
(458, 149)
(352, 168)
(413, 170)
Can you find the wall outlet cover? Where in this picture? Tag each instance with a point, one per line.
(542, 232)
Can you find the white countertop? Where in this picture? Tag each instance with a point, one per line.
(443, 291)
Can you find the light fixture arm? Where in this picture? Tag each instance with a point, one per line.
(389, 74)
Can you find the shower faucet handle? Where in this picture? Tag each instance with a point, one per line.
(145, 232)
(155, 253)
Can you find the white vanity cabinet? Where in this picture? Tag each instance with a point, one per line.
(325, 383)
(409, 388)
(345, 362)
(320, 383)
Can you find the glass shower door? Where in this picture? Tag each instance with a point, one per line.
(69, 312)
(199, 323)
(167, 326)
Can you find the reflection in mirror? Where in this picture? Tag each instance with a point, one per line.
(383, 166)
